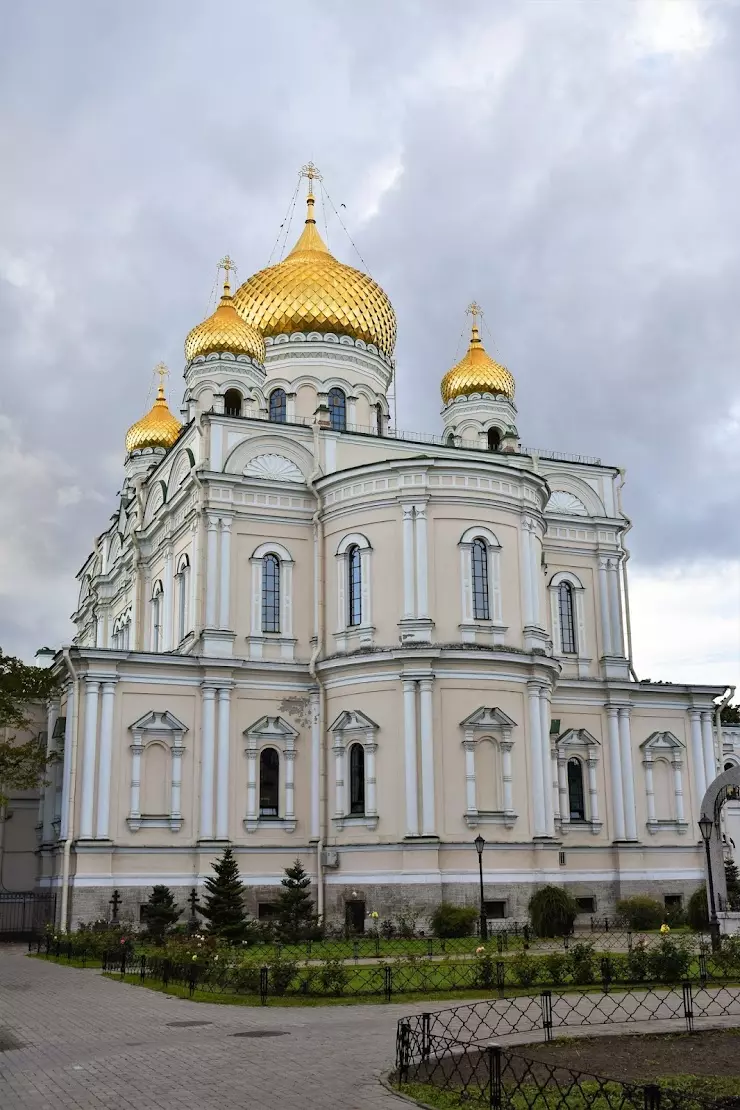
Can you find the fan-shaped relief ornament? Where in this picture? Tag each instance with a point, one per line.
(274, 468)
(567, 503)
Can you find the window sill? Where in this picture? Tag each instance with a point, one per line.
(174, 824)
(483, 632)
(594, 827)
(356, 820)
(667, 826)
(286, 644)
(490, 817)
(284, 824)
(355, 636)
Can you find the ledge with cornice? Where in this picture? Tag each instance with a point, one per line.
(327, 347)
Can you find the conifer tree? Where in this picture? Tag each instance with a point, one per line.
(223, 905)
(294, 906)
(732, 879)
(160, 913)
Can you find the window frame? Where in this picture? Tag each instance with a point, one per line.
(357, 791)
(156, 616)
(479, 575)
(578, 594)
(268, 812)
(567, 620)
(271, 576)
(334, 405)
(576, 817)
(473, 628)
(278, 392)
(358, 633)
(233, 411)
(182, 577)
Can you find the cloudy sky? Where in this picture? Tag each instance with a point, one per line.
(572, 165)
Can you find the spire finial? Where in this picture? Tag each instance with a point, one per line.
(163, 372)
(474, 310)
(228, 267)
(311, 172)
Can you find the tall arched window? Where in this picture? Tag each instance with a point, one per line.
(269, 783)
(337, 409)
(479, 555)
(576, 795)
(494, 439)
(379, 419)
(354, 585)
(183, 581)
(357, 779)
(278, 406)
(157, 593)
(270, 593)
(233, 402)
(567, 620)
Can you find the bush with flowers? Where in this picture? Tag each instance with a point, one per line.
(671, 958)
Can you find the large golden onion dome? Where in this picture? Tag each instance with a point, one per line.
(311, 291)
(224, 331)
(477, 372)
(159, 428)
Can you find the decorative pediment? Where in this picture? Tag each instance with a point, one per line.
(270, 730)
(577, 738)
(157, 721)
(485, 719)
(274, 468)
(565, 503)
(353, 720)
(661, 741)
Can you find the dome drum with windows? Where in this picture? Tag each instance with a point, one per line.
(225, 332)
(477, 372)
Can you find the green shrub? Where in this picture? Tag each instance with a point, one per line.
(641, 912)
(637, 961)
(333, 976)
(454, 921)
(728, 956)
(556, 968)
(246, 979)
(485, 972)
(552, 912)
(582, 960)
(697, 910)
(282, 974)
(670, 960)
(525, 970)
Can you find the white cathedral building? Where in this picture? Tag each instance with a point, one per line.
(307, 634)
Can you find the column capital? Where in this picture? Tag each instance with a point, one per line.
(694, 713)
(426, 683)
(226, 522)
(109, 685)
(407, 510)
(212, 522)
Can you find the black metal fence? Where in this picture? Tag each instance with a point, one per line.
(25, 914)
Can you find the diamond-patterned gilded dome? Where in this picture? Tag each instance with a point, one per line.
(159, 428)
(311, 291)
(477, 372)
(225, 331)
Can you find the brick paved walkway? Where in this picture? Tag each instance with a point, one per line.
(71, 1039)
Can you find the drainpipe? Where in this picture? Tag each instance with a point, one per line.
(72, 754)
(625, 586)
(319, 622)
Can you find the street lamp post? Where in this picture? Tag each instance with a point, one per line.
(706, 827)
(479, 846)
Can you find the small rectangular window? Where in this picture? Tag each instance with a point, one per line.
(561, 859)
(495, 911)
(673, 901)
(586, 905)
(266, 910)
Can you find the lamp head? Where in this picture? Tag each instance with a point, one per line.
(479, 844)
(706, 824)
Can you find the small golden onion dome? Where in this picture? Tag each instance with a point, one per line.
(225, 330)
(159, 428)
(311, 291)
(477, 372)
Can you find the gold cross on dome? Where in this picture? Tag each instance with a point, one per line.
(311, 172)
(474, 310)
(227, 265)
(163, 372)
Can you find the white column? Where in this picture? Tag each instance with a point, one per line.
(426, 721)
(563, 788)
(251, 786)
(289, 757)
(224, 620)
(547, 765)
(168, 583)
(506, 746)
(194, 614)
(339, 761)
(222, 771)
(315, 767)
(409, 744)
(710, 769)
(678, 788)
(67, 768)
(615, 607)
(206, 763)
(106, 752)
(211, 571)
(539, 819)
(593, 793)
(526, 578)
(649, 789)
(535, 553)
(422, 562)
(371, 795)
(628, 776)
(88, 758)
(408, 560)
(697, 754)
(615, 771)
(176, 786)
(470, 806)
(606, 628)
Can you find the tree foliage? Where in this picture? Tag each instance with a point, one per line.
(294, 907)
(730, 714)
(160, 913)
(552, 912)
(223, 905)
(21, 764)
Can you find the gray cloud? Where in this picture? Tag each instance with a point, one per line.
(571, 166)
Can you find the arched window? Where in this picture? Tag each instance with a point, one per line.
(183, 582)
(270, 593)
(479, 555)
(269, 783)
(729, 766)
(567, 622)
(157, 593)
(354, 585)
(450, 441)
(278, 406)
(576, 796)
(494, 439)
(379, 419)
(357, 779)
(233, 402)
(337, 409)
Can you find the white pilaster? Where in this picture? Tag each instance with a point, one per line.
(524, 561)
(251, 786)
(194, 614)
(102, 830)
(710, 767)
(409, 743)
(593, 793)
(315, 767)
(168, 583)
(470, 802)
(506, 746)
(535, 556)
(606, 628)
(547, 762)
(615, 607)
(339, 762)
(176, 785)
(563, 788)
(67, 768)
(628, 776)
(211, 571)
(615, 771)
(225, 576)
(539, 813)
(206, 763)
(697, 754)
(135, 797)
(89, 752)
(426, 720)
(371, 794)
(289, 758)
(222, 772)
(678, 788)
(649, 789)
(422, 562)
